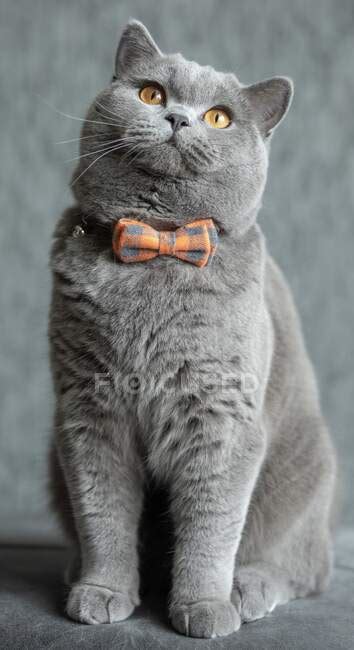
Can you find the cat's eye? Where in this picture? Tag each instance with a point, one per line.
(218, 118)
(152, 95)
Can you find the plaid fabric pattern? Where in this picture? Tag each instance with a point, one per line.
(135, 241)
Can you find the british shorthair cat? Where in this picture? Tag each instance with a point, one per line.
(177, 354)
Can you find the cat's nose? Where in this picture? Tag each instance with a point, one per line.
(177, 120)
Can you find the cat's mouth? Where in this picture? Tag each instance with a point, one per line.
(172, 139)
(174, 157)
(170, 154)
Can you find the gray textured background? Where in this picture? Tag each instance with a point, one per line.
(61, 52)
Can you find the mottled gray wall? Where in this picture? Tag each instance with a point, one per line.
(61, 52)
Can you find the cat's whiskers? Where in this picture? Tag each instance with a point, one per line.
(105, 108)
(121, 144)
(131, 150)
(82, 119)
(141, 149)
(74, 117)
(83, 137)
(109, 150)
(90, 165)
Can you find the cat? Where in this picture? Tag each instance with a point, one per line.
(191, 375)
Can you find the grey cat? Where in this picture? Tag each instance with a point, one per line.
(197, 378)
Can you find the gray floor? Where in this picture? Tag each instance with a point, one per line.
(32, 598)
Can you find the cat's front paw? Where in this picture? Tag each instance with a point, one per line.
(205, 619)
(92, 604)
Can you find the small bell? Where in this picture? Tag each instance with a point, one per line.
(78, 232)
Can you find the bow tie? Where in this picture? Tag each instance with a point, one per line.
(135, 241)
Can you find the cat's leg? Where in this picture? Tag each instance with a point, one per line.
(104, 480)
(298, 568)
(60, 502)
(210, 492)
(286, 548)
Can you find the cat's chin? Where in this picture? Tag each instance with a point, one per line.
(166, 160)
(170, 159)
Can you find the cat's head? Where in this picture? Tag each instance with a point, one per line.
(177, 139)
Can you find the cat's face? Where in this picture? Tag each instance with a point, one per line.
(194, 128)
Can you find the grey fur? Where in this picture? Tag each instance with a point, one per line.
(151, 362)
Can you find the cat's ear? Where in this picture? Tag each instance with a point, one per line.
(136, 43)
(269, 101)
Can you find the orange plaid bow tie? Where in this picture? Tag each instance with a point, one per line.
(135, 241)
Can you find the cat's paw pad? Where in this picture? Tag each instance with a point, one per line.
(254, 595)
(205, 619)
(92, 604)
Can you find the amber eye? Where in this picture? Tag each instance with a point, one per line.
(217, 118)
(152, 95)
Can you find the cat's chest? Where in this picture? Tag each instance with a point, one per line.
(162, 315)
(158, 316)
(167, 316)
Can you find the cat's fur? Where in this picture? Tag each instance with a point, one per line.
(198, 378)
